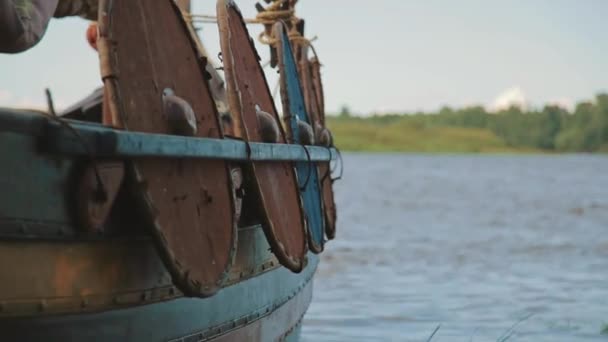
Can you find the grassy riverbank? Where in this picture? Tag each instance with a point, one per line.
(353, 134)
(474, 129)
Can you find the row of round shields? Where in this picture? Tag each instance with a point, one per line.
(302, 99)
(294, 110)
(146, 51)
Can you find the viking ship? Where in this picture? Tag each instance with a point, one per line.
(172, 204)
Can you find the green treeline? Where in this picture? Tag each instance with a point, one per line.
(473, 129)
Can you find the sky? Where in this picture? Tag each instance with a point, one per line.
(384, 56)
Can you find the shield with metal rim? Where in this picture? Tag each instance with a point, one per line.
(310, 72)
(313, 108)
(275, 183)
(154, 77)
(294, 110)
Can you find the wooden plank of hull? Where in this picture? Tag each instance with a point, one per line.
(288, 317)
(29, 181)
(89, 275)
(275, 184)
(144, 49)
(273, 313)
(315, 89)
(294, 110)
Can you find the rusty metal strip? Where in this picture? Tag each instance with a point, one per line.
(18, 228)
(99, 302)
(85, 304)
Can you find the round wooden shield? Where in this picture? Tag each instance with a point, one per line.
(328, 200)
(294, 110)
(310, 71)
(275, 182)
(146, 52)
(317, 84)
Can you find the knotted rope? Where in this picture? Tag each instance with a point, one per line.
(270, 15)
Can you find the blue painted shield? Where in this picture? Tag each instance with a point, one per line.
(295, 110)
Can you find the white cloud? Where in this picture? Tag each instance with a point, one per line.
(513, 96)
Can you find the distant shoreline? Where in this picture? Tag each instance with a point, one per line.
(363, 136)
(446, 134)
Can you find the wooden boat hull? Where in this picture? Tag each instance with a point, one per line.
(234, 314)
(59, 282)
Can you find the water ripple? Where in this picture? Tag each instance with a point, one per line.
(472, 242)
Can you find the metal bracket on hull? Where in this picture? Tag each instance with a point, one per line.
(24, 229)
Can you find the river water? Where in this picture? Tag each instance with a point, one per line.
(475, 243)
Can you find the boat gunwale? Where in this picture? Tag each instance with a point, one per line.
(84, 139)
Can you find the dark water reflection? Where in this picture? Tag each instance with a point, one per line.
(475, 243)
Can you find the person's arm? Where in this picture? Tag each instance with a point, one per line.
(82, 8)
(23, 23)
